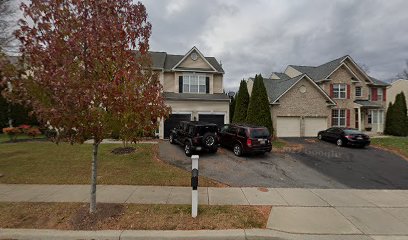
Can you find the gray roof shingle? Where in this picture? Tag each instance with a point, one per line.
(281, 75)
(367, 103)
(379, 83)
(196, 96)
(276, 87)
(167, 61)
(322, 71)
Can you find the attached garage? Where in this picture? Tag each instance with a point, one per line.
(212, 118)
(173, 121)
(313, 125)
(288, 127)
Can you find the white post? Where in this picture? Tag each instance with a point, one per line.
(194, 185)
(359, 119)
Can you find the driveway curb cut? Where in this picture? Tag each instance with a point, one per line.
(250, 234)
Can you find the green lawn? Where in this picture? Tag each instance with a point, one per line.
(48, 163)
(5, 138)
(399, 144)
(277, 143)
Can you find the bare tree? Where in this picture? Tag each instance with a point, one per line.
(364, 67)
(404, 73)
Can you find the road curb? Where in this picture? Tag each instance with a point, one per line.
(244, 234)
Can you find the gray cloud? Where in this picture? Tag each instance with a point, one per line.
(262, 36)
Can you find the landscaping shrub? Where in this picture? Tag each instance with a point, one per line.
(33, 132)
(241, 104)
(258, 110)
(396, 121)
(12, 132)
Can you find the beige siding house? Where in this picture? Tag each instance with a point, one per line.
(396, 87)
(192, 87)
(307, 99)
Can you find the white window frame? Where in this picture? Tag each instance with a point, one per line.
(338, 90)
(337, 116)
(361, 91)
(380, 97)
(188, 78)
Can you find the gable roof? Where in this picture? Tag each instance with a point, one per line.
(377, 82)
(194, 49)
(276, 88)
(281, 75)
(167, 62)
(322, 71)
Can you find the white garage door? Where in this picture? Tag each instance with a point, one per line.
(314, 125)
(288, 127)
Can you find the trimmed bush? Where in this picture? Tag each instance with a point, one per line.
(241, 105)
(259, 112)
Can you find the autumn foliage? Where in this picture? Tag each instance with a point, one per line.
(87, 68)
(88, 71)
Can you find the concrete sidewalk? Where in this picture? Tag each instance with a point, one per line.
(365, 214)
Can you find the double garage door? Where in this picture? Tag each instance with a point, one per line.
(174, 120)
(292, 126)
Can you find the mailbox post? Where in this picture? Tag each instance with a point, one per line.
(194, 185)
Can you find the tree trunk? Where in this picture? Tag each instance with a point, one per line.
(92, 207)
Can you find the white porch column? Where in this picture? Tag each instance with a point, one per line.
(359, 119)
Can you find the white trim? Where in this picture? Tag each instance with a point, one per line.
(212, 113)
(188, 53)
(313, 83)
(191, 113)
(339, 94)
(195, 70)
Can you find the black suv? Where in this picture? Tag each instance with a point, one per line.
(195, 136)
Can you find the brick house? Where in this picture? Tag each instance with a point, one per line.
(307, 99)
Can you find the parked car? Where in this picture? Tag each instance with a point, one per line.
(246, 139)
(195, 136)
(344, 136)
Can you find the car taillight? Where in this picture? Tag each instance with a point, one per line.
(348, 137)
(249, 142)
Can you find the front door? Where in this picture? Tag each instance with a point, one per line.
(377, 119)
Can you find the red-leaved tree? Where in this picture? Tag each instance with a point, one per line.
(88, 70)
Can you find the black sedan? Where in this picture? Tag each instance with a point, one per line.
(345, 136)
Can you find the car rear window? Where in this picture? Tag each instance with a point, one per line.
(351, 131)
(259, 133)
(204, 129)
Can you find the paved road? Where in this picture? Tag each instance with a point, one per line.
(318, 165)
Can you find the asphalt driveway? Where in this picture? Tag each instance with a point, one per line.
(318, 165)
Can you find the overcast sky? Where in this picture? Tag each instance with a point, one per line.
(261, 36)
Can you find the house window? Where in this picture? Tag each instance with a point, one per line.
(338, 117)
(376, 116)
(380, 94)
(339, 91)
(370, 117)
(194, 83)
(359, 92)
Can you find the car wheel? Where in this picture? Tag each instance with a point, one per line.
(320, 137)
(209, 140)
(187, 149)
(237, 150)
(171, 139)
(339, 142)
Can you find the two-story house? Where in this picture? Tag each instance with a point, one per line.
(307, 99)
(192, 87)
